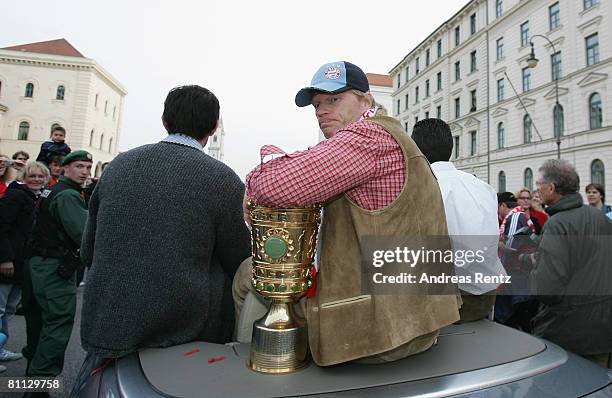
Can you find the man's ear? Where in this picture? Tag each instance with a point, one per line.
(164, 123)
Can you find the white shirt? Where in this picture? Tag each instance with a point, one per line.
(471, 215)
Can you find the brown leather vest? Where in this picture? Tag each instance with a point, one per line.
(344, 323)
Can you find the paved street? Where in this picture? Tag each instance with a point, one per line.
(74, 353)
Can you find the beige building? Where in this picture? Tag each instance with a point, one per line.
(472, 72)
(48, 83)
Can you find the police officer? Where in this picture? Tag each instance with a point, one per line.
(49, 292)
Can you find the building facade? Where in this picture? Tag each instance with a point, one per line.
(216, 143)
(473, 73)
(51, 83)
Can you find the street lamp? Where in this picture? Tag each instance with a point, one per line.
(532, 62)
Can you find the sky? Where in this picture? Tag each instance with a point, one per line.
(254, 55)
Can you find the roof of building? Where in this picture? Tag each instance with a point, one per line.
(379, 80)
(53, 47)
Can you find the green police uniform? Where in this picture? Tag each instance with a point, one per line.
(49, 300)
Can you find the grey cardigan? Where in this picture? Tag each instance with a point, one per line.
(163, 240)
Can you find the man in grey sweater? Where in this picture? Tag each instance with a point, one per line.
(164, 238)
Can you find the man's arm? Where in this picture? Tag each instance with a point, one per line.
(89, 234)
(233, 242)
(68, 209)
(551, 272)
(334, 166)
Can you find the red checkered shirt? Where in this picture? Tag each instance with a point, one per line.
(361, 160)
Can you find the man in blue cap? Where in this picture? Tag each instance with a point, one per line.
(49, 291)
(374, 181)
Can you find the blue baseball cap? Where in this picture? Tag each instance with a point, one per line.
(333, 78)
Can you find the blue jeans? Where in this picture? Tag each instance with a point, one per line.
(9, 298)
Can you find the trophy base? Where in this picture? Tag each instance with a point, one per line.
(280, 341)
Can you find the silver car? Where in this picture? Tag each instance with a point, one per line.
(477, 359)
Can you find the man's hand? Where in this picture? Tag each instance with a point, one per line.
(16, 164)
(7, 269)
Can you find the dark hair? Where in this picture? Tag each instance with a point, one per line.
(598, 187)
(562, 174)
(58, 128)
(191, 110)
(24, 153)
(434, 139)
(56, 159)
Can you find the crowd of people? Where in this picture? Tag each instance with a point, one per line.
(42, 217)
(150, 289)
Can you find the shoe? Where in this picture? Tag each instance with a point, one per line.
(6, 355)
(2, 368)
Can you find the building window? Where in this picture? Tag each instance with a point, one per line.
(526, 129)
(592, 49)
(457, 151)
(105, 107)
(528, 178)
(598, 172)
(499, 45)
(555, 62)
(426, 115)
(397, 108)
(91, 136)
(0, 88)
(525, 34)
(526, 79)
(426, 88)
(457, 36)
(439, 112)
(472, 24)
(416, 95)
(473, 61)
(554, 16)
(590, 3)
(439, 48)
(110, 144)
(501, 182)
(406, 98)
(595, 114)
(406, 126)
(501, 135)
(101, 140)
(439, 80)
(416, 119)
(473, 99)
(59, 95)
(457, 70)
(24, 129)
(558, 122)
(472, 143)
(96, 101)
(399, 80)
(417, 66)
(29, 90)
(114, 111)
(500, 90)
(427, 58)
(499, 8)
(407, 76)
(457, 107)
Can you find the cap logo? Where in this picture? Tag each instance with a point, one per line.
(332, 73)
(88, 156)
